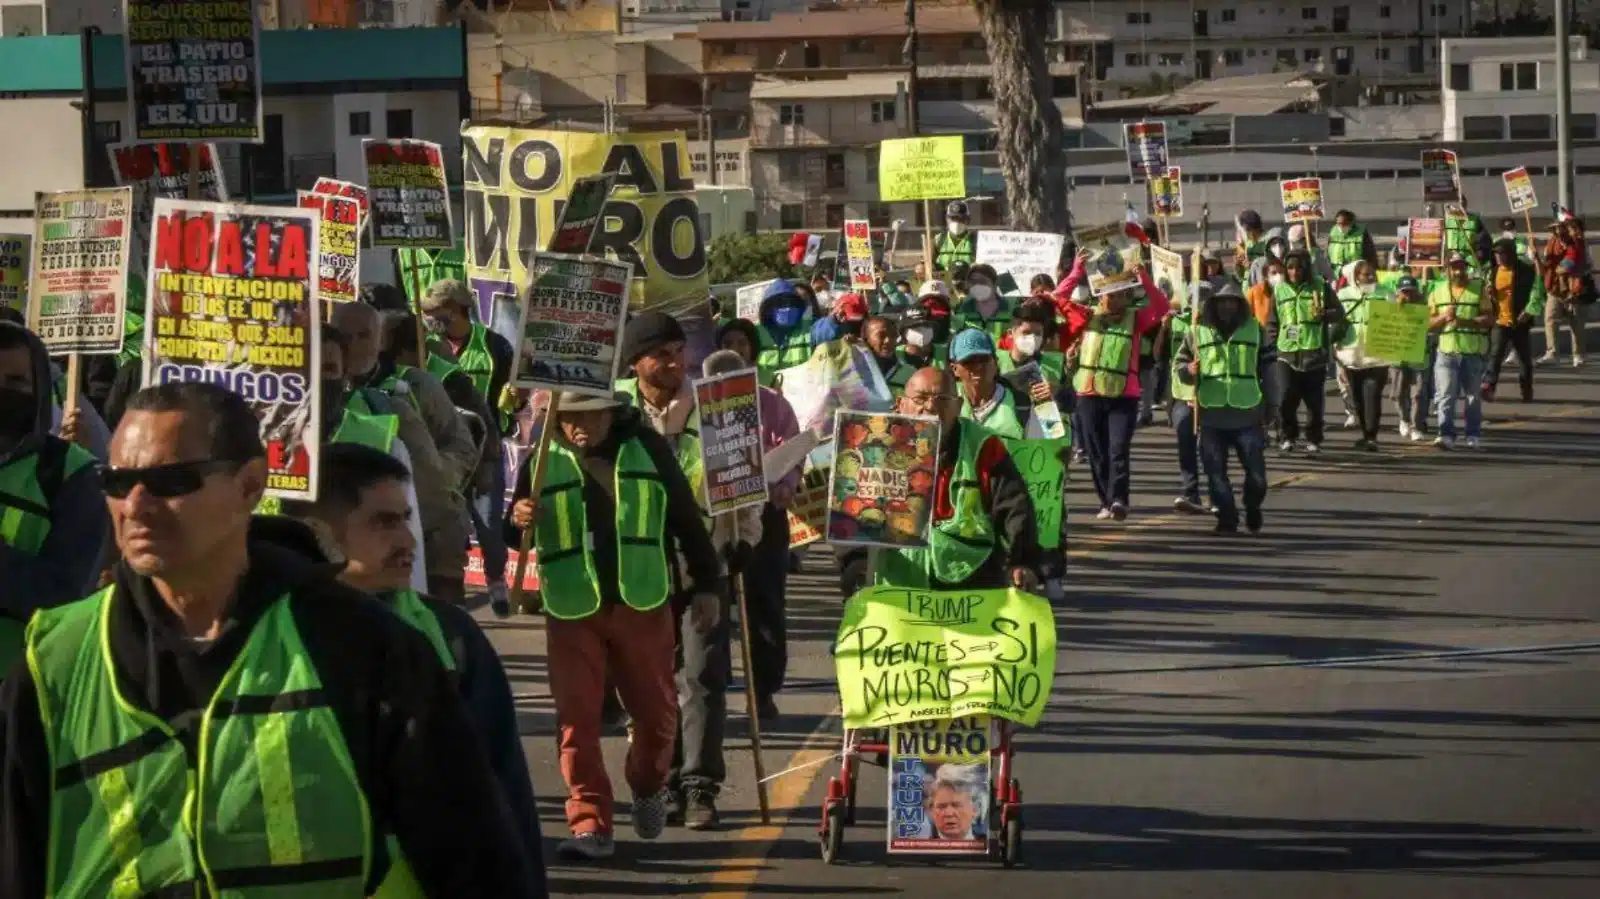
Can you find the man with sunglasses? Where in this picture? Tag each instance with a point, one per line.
(224, 680)
(999, 548)
(53, 530)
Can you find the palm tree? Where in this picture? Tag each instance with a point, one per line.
(1032, 158)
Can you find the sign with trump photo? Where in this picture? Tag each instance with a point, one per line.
(939, 786)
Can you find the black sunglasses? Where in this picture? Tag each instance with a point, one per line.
(164, 481)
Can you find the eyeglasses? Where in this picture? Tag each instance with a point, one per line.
(928, 399)
(164, 481)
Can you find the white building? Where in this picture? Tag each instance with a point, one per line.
(1505, 89)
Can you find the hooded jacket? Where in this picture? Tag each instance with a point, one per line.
(68, 564)
(458, 452)
(1332, 321)
(417, 756)
(1210, 316)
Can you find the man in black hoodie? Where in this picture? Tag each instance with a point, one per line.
(232, 670)
(53, 533)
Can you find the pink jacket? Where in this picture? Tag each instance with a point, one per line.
(1145, 320)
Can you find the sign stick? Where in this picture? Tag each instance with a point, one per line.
(927, 240)
(69, 403)
(536, 483)
(416, 291)
(1533, 246)
(1197, 269)
(750, 698)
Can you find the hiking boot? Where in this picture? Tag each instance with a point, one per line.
(587, 847)
(700, 812)
(650, 815)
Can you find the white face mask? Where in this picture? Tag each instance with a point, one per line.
(825, 299)
(1508, 235)
(957, 228)
(1082, 294)
(981, 293)
(1274, 279)
(1275, 250)
(1027, 344)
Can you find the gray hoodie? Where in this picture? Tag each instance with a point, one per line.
(67, 566)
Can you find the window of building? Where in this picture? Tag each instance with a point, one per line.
(791, 216)
(882, 111)
(1308, 13)
(399, 123)
(858, 45)
(790, 167)
(972, 42)
(1169, 59)
(1251, 53)
(1530, 127)
(1312, 54)
(791, 114)
(879, 215)
(1233, 57)
(1438, 10)
(1229, 15)
(1483, 127)
(1138, 18)
(835, 215)
(1133, 59)
(1383, 11)
(833, 174)
(1335, 126)
(1460, 76)
(360, 124)
(872, 165)
(1287, 57)
(1381, 53)
(1583, 126)
(1519, 76)
(1064, 86)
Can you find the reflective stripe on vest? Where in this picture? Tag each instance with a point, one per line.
(268, 806)
(1345, 246)
(368, 428)
(1228, 376)
(1104, 355)
(1299, 316)
(772, 358)
(1457, 339)
(567, 575)
(1458, 234)
(1179, 330)
(442, 368)
(957, 546)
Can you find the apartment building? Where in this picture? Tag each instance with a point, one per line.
(20, 18)
(1505, 89)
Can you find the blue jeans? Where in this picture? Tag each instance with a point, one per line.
(1250, 444)
(487, 510)
(1455, 376)
(1181, 415)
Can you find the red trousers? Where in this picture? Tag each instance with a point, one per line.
(634, 651)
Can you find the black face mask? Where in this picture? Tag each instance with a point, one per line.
(850, 329)
(19, 411)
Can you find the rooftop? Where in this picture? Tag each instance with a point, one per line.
(844, 24)
(885, 84)
(1242, 95)
(985, 70)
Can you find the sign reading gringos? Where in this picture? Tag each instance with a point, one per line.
(517, 179)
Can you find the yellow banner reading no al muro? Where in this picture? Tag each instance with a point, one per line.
(515, 178)
(922, 168)
(906, 655)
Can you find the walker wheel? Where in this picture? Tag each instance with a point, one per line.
(833, 832)
(1012, 844)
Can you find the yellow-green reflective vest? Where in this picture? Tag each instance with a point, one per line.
(1228, 375)
(1002, 417)
(959, 545)
(476, 361)
(772, 358)
(568, 580)
(1344, 247)
(967, 316)
(1299, 309)
(685, 445)
(1358, 311)
(1104, 354)
(25, 506)
(1456, 338)
(268, 807)
(1458, 235)
(1051, 362)
(1179, 330)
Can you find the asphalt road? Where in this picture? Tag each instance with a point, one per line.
(1389, 693)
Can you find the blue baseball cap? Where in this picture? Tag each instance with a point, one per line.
(971, 343)
(1406, 282)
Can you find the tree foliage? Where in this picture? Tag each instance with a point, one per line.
(1032, 156)
(743, 258)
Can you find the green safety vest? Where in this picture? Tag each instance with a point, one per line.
(567, 577)
(950, 250)
(967, 316)
(685, 444)
(1457, 339)
(1299, 316)
(772, 358)
(1358, 311)
(1103, 356)
(476, 361)
(1002, 418)
(959, 545)
(27, 492)
(1051, 362)
(413, 611)
(1344, 247)
(268, 807)
(1228, 377)
(132, 338)
(1179, 330)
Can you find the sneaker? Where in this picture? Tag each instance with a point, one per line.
(1445, 443)
(1349, 421)
(1472, 443)
(700, 812)
(1225, 530)
(1252, 520)
(1577, 361)
(1546, 359)
(1312, 449)
(1188, 506)
(1286, 446)
(499, 602)
(1119, 512)
(1103, 515)
(587, 847)
(1360, 444)
(650, 815)
(1405, 431)
(1418, 435)
(1372, 446)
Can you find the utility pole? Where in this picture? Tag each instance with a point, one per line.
(1564, 108)
(909, 58)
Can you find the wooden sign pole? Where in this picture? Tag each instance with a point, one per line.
(536, 483)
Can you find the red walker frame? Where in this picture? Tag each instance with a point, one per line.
(1005, 797)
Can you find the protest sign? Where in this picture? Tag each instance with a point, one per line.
(1043, 466)
(1397, 333)
(1166, 194)
(1425, 242)
(409, 193)
(1046, 417)
(1022, 253)
(339, 263)
(1147, 149)
(1170, 274)
(939, 786)
(16, 259)
(516, 177)
(1113, 265)
(571, 324)
(837, 376)
(78, 289)
(233, 301)
(747, 300)
(580, 214)
(194, 71)
(162, 170)
(1302, 199)
(883, 474)
(858, 251)
(730, 441)
(808, 511)
(475, 576)
(906, 655)
(1519, 190)
(333, 187)
(1441, 177)
(922, 168)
